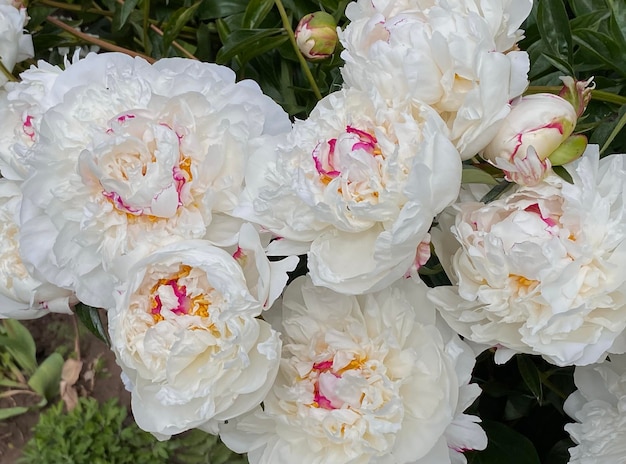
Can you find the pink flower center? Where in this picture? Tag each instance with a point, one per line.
(28, 127)
(326, 383)
(534, 208)
(197, 305)
(324, 155)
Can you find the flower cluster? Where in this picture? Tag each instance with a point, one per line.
(179, 200)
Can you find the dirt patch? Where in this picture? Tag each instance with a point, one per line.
(99, 377)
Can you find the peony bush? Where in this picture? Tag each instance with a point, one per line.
(408, 249)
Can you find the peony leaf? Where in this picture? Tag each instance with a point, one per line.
(90, 317)
(6, 413)
(249, 43)
(19, 343)
(505, 445)
(125, 10)
(175, 24)
(618, 21)
(581, 7)
(496, 191)
(531, 376)
(45, 381)
(219, 9)
(616, 130)
(256, 11)
(554, 28)
(472, 175)
(601, 47)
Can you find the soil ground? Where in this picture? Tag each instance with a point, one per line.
(99, 378)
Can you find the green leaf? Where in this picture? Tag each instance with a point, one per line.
(212, 9)
(126, 9)
(581, 7)
(90, 317)
(177, 21)
(496, 191)
(20, 345)
(6, 413)
(245, 42)
(256, 11)
(590, 20)
(618, 128)
(4, 382)
(531, 376)
(45, 381)
(554, 28)
(563, 66)
(505, 446)
(601, 47)
(473, 175)
(563, 174)
(618, 20)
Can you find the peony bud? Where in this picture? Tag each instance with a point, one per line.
(316, 35)
(578, 93)
(535, 129)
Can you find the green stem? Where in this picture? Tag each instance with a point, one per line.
(10, 77)
(76, 8)
(97, 41)
(292, 38)
(599, 95)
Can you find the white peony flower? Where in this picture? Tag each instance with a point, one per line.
(366, 379)
(22, 296)
(186, 334)
(357, 184)
(543, 270)
(459, 57)
(599, 408)
(21, 106)
(15, 44)
(134, 157)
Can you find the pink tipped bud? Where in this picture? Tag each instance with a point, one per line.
(535, 129)
(316, 35)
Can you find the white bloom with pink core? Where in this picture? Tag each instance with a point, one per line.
(598, 407)
(367, 379)
(356, 185)
(15, 44)
(186, 334)
(21, 106)
(458, 57)
(536, 126)
(22, 294)
(137, 156)
(542, 270)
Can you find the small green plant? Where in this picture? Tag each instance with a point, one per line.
(91, 433)
(19, 371)
(94, 433)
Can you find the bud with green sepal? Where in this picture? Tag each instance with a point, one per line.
(316, 35)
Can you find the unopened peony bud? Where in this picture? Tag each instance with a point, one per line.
(535, 129)
(316, 35)
(578, 93)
